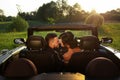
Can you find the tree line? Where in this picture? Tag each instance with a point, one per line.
(60, 11)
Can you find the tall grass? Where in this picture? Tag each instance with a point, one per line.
(111, 30)
(6, 39)
(107, 30)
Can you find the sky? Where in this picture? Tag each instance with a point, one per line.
(10, 9)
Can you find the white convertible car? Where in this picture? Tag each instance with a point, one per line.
(31, 61)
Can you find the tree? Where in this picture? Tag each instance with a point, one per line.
(47, 11)
(28, 15)
(60, 11)
(2, 17)
(18, 24)
(113, 15)
(76, 6)
(1, 12)
(76, 14)
(62, 6)
(95, 19)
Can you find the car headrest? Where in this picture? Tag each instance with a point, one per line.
(35, 43)
(89, 43)
(102, 67)
(21, 68)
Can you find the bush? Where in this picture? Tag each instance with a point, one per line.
(18, 24)
(51, 21)
(95, 19)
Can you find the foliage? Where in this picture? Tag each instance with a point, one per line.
(18, 24)
(111, 30)
(106, 30)
(60, 11)
(48, 10)
(113, 15)
(95, 19)
(51, 20)
(76, 15)
(4, 18)
(4, 26)
(1, 12)
(6, 39)
(28, 15)
(77, 6)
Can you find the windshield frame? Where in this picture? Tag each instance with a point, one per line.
(61, 27)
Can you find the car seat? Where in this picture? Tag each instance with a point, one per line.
(89, 43)
(36, 52)
(102, 67)
(21, 68)
(79, 60)
(35, 43)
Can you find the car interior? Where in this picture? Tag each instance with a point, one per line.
(93, 61)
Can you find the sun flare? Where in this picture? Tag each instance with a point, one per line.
(99, 5)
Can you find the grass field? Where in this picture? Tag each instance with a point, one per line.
(6, 39)
(111, 30)
(108, 29)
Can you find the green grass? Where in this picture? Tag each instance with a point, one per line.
(6, 39)
(108, 29)
(111, 30)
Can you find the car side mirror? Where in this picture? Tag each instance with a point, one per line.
(107, 40)
(19, 41)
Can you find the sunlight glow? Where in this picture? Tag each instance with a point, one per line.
(101, 6)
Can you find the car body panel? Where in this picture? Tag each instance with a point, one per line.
(116, 52)
(8, 54)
